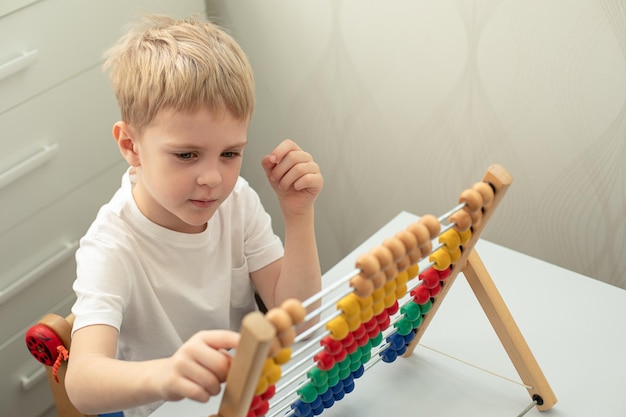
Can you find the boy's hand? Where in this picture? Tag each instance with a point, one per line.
(294, 176)
(198, 368)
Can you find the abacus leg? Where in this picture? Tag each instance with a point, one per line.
(257, 335)
(509, 334)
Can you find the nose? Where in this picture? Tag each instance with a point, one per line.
(210, 175)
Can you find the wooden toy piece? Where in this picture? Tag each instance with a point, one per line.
(294, 308)
(486, 193)
(462, 220)
(473, 200)
(509, 334)
(410, 243)
(422, 234)
(362, 286)
(257, 335)
(500, 181)
(432, 224)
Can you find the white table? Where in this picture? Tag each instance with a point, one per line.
(574, 325)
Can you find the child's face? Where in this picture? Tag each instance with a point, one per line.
(188, 164)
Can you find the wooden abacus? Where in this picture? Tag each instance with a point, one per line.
(369, 310)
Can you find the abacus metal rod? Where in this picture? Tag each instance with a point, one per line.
(315, 297)
(309, 301)
(316, 327)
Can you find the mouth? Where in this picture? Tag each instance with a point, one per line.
(203, 204)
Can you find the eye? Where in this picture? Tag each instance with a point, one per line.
(230, 154)
(186, 156)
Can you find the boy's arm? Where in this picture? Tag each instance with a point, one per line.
(96, 382)
(297, 181)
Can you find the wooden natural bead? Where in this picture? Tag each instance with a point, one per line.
(461, 219)
(486, 192)
(384, 256)
(363, 287)
(286, 337)
(368, 264)
(396, 247)
(280, 319)
(294, 308)
(408, 239)
(432, 224)
(465, 236)
(404, 263)
(379, 280)
(472, 199)
(477, 218)
(421, 233)
(391, 272)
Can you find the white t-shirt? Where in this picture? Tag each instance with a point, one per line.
(158, 287)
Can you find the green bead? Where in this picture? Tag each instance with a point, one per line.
(426, 306)
(378, 339)
(344, 373)
(411, 311)
(317, 376)
(333, 380)
(322, 389)
(365, 357)
(417, 322)
(308, 393)
(355, 365)
(355, 357)
(334, 371)
(366, 347)
(403, 326)
(344, 364)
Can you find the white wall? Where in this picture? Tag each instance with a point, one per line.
(405, 103)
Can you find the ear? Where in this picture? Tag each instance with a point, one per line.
(126, 143)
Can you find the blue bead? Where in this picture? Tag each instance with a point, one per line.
(348, 388)
(359, 372)
(338, 388)
(409, 337)
(396, 341)
(339, 395)
(318, 410)
(329, 403)
(317, 403)
(388, 355)
(348, 380)
(301, 409)
(327, 395)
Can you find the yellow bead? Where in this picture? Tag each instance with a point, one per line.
(450, 238)
(274, 375)
(378, 307)
(338, 327)
(441, 259)
(349, 305)
(261, 386)
(283, 356)
(413, 271)
(402, 278)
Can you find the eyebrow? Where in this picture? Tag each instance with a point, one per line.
(196, 147)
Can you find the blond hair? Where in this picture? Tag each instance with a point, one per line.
(179, 64)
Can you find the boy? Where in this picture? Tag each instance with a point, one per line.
(185, 242)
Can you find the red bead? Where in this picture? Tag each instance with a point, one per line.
(444, 273)
(382, 317)
(360, 332)
(393, 309)
(435, 290)
(262, 409)
(371, 325)
(331, 345)
(362, 341)
(420, 294)
(256, 402)
(430, 277)
(348, 340)
(325, 361)
(385, 323)
(352, 347)
(341, 355)
(269, 393)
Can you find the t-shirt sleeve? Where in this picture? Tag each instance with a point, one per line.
(101, 284)
(262, 246)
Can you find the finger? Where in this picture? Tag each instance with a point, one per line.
(299, 176)
(286, 146)
(295, 162)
